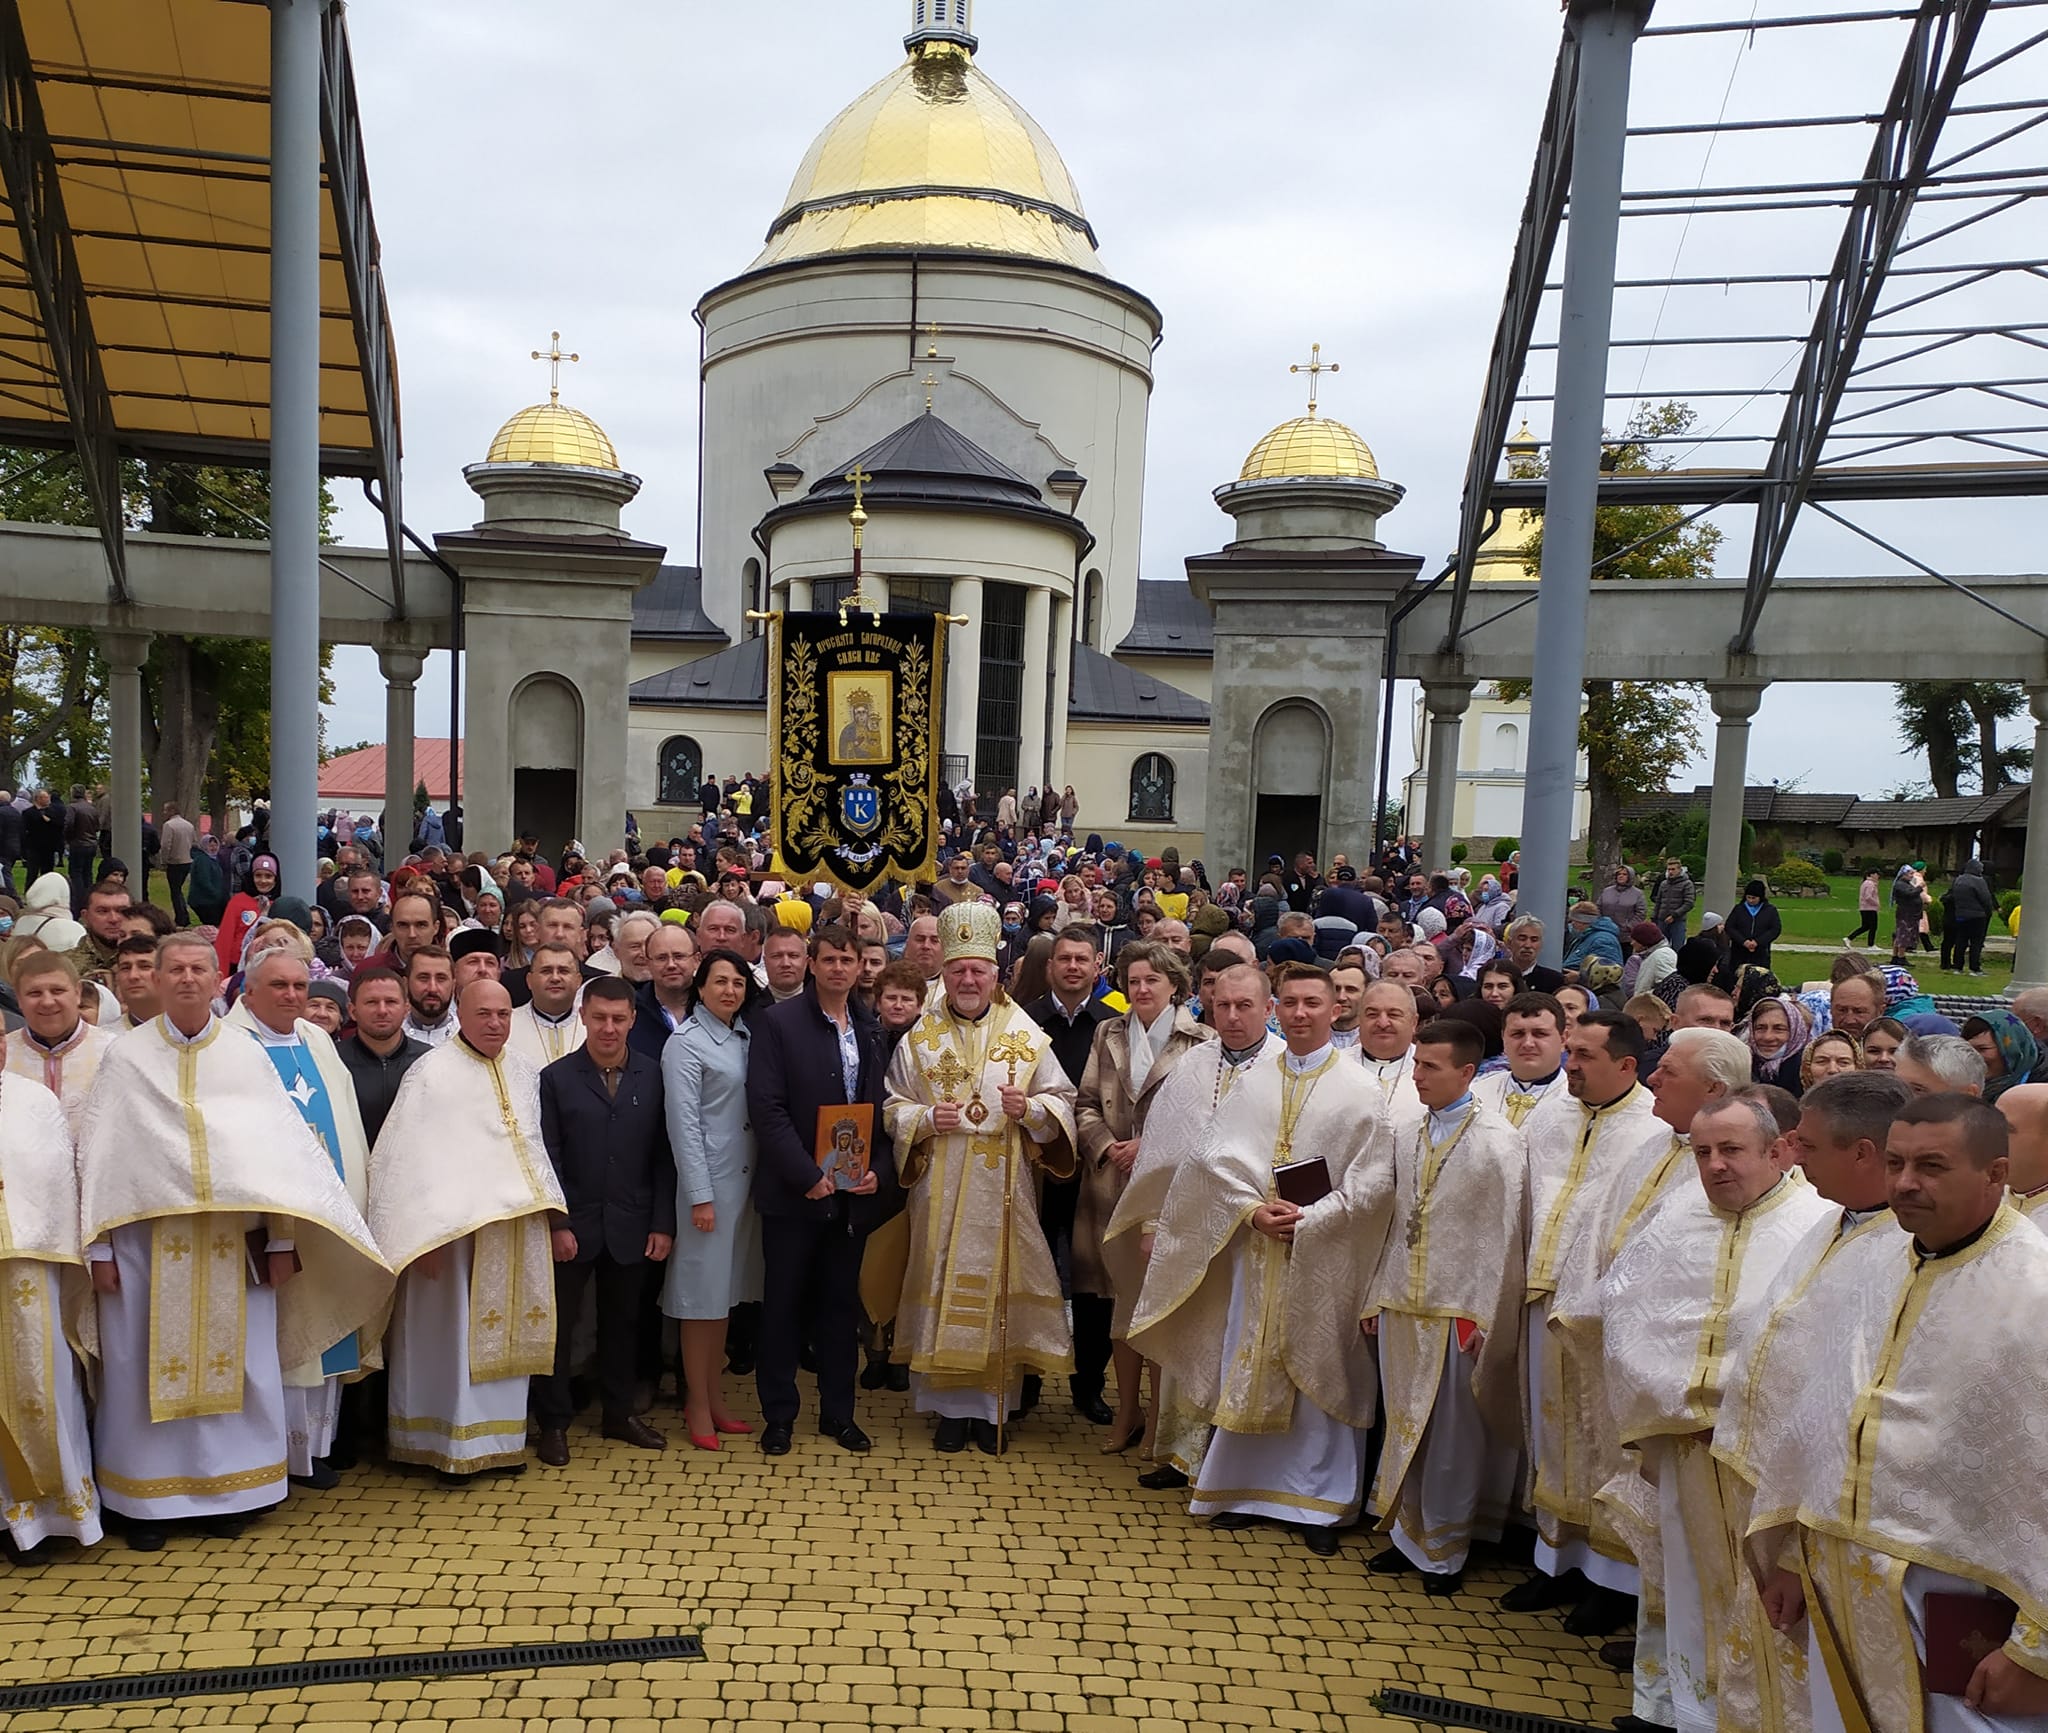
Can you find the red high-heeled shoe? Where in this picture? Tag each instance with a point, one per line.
(733, 1425)
(703, 1443)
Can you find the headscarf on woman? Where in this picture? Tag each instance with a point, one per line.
(1754, 984)
(2016, 1046)
(1806, 1053)
(1783, 1066)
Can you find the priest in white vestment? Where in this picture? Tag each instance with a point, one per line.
(1446, 1310)
(271, 1007)
(1665, 1305)
(223, 1248)
(1532, 1038)
(1577, 1142)
(978, 1104)
(1386, 1037)
(46, 1479)
(1237, 1004)
(56, 1045)
(462, 1198)
(1897, 1448)
(547, 1027)
(1257, 1304)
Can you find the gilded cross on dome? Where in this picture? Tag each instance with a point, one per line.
(554, 358)
(1314, 367)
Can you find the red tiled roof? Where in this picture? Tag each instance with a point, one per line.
(357, 778)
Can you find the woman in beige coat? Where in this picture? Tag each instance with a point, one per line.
(1132, 1056)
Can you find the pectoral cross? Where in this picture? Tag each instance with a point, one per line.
(554, 358)
(947, 1075)
(1314, 367)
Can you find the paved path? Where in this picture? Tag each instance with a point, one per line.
(903, 1589)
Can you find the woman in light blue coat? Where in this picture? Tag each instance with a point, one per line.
(717, 1258)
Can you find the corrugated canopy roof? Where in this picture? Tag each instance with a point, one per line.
(137, 184)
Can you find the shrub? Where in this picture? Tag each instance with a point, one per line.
(1831, 861)
(1503, 846)
(1769, 852)
(2007, 902)
(1794, 874)
(1458, 853)
(1696, 865)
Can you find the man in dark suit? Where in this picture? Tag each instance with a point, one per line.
(602, 1119)
(1069, 1014)
(816, 1052)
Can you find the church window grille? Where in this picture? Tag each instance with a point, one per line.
(679, 769)
(920, 595)
(1152, 789)
(1000, 720)
(828, 593)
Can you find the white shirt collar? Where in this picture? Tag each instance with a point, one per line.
(1299, 1062)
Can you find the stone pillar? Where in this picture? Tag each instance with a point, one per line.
(1031, 759)
(125, 653)
(798, 596)
(1062, 684)
(1446, 707)
(963, 672)
(2030, 951)
(401, 669)
(1733, 708)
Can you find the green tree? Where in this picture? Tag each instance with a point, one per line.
(1635, 733)
(1955, 722)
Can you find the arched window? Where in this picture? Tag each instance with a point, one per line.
(750, 587)
(1152, 789)
(680, 771)
(1091, 610)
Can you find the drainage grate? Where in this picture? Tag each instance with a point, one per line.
(220, 1681)
(1442, 1712)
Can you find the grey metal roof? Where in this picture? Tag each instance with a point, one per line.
(735, 679)
(1767, 805)
(1170, 621)
(672, 607)
(1107, 691)
(1102, 691)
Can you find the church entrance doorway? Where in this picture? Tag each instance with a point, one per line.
(1287, 825)
(544, 802)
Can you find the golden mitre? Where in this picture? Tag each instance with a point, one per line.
(969, 930)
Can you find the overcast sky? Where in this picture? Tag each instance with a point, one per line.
(1270, 175)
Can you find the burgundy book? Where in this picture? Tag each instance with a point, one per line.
(1961, 1631)
(1301, 1183)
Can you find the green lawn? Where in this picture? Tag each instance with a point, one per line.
(1826, 921)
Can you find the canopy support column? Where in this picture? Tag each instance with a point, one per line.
(125, 653)
(1446, 706)
(2030, 953)
(401, 669)
(1733, 708)
(963, 675)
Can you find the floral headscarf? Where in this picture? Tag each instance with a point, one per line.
(2016, 1046)
(1754, 984)
(1798, 1024)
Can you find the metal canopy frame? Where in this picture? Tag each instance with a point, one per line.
(34, 161)
(1848, 373)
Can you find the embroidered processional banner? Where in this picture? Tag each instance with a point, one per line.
(853, 710)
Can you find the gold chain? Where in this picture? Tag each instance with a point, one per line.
(1295, 1090)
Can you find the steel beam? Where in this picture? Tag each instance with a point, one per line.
(1862, 481)
(1535, 243)
(348, 182)
(29, 171)
(1936, 58)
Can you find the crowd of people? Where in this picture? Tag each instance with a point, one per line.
(1322, 1195)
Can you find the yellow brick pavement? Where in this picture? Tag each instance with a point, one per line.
(1042, 1592)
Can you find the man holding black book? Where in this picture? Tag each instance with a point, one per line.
(814, 1089)
(1261, 1269)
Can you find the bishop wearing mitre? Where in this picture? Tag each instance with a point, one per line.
(1708, 1247)
(1254, 1301)
(978, 1105)
(46, 1485)
(461, 1197)
(222, 1247)
(1447, 1311)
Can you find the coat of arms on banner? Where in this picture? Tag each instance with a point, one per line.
(860, 805)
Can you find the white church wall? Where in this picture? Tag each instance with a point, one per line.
(1194, 675)
(732, 742)
(647, 658)
(1100, 756)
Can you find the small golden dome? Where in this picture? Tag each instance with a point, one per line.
(1310, 446)
(934, 156)
(553, 433)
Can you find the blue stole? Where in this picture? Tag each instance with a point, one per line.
(308, 1090)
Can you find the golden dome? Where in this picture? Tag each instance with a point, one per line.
(937, 157)
(553, 433)
(1310, 446)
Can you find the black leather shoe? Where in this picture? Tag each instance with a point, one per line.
(846, 1435)
(1093, 1408)
(740, 1362)
(145, 1537)
(635, 1431)
(1163, 1478)
(225, 1527)
(987, 1439)
(1619, 1653)
(1028, 1397)
(1320, 1539)
(1443, 1582)
(899, 1377)
(1601, 1614)
(322, 1479)
(1391, 1563)
(775, 1439)
(1540, 1593)
(1234, 1519)
(951, 1436)
(553, 1447)
(875, 1374)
